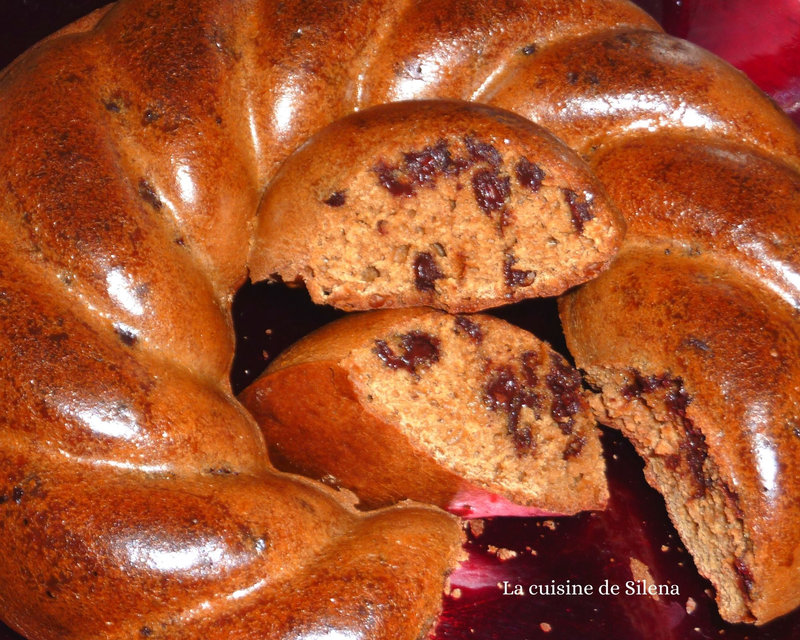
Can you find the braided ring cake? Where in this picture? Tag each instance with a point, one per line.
(136, 495)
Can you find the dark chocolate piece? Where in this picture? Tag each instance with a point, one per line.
(426, 272)
(529, 174)
(419, 349)
(580, 209)
(472, 329)
(564, 384)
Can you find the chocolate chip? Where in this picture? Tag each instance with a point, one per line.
(426, 272)
(564, 384)
(472, 329)
(425, 165)
(388, 178)
(336, 199)
(580, 209)
(529, 174)
(746, 581)
(677, 399)
(530, 360)
(149, 195)
(419, 168)
(516, 277)
(523, 439)
(418, 349)
(695, 451)
(672, 461)
(574, 447)
(481, 151)
(732, 499)
(503, 392)
(502, 389)
(127, 335)
(645, 384)
(491, 190)
(693, 445)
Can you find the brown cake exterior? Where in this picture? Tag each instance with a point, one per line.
(135, 491)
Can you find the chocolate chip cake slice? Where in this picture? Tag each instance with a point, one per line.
(466, 412)
(438, 203)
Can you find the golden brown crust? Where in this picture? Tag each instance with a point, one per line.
(430, 51)
(245, 549)
(716, 198)
(593, 90)
(136, 494)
